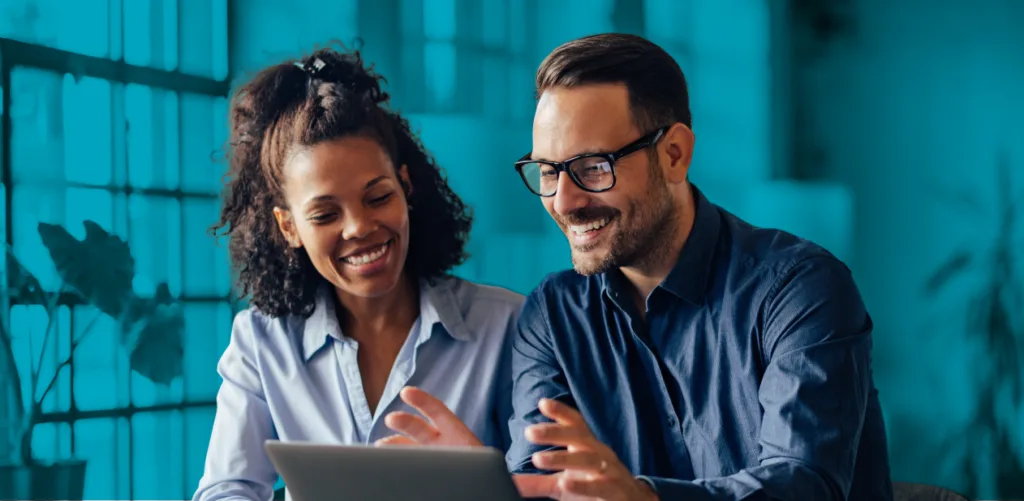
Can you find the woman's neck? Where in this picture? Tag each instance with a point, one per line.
(381, 319)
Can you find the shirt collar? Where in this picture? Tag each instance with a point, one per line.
(438, 307)
(688, 279)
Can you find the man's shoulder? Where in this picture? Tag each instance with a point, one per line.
(771, 252)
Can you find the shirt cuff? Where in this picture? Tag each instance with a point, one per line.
(667, 488)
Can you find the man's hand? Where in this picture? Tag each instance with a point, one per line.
(588, 469)
(442, 426)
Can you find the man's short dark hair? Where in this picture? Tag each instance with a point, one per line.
(656, 85)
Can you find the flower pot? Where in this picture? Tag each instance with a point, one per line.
(63, 480)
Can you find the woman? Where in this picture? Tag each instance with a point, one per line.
(343, 230)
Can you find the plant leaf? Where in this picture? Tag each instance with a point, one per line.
(952, 267)
(22, 284)
(152, 334)
(99, 267)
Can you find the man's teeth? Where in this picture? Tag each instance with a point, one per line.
(367, 257)
(580, 229)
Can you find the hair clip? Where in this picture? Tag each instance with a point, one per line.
(313, 68)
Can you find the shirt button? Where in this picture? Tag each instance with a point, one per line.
(672, 421)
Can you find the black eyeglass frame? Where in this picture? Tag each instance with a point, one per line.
(645, 141)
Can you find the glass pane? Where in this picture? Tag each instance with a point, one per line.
(521, 92)
(206, 270)
(495, 19)
(87, 153)
(440, 66)
(101, 367)
(152, 137)
(51, 442)
(32, 205)
(29, 326)
(37, 132)
(439, 17)
(147, 393)
(155, 235)
(158, 456)
(495, 88)
(198, 427)
(204, 322)
(203, 37)
(98, 442)
(93, 204)
(151, 33)
(81, 26)
(517, 27)
(203, 133)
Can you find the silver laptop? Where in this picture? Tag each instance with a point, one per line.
(321, 472)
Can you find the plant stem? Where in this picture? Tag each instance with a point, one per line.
(51, 313)
(67, 361)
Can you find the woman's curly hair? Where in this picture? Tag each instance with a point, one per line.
(326, 95)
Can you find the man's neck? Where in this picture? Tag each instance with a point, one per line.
(375, 320)
(651, 271)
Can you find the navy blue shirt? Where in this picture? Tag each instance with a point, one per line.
(749, 379)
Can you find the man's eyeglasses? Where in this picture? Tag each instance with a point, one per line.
(593, 172)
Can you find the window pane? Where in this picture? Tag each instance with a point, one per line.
(439, 19)
(157, 456)
(206, 270)
(51, 442)
(93, 204)
(495, 87)
(80, 26)
(29, 324)
(152, 137)
(198, 427)
(521, 91)
(440, 66)
(204, 324)
(103, 444)
(203, 38)
(155, 232)
(37, 133)
(495, 19)
(151, 33)
(101, 366)
(203, 133)
(32, 204)
(87, 153)
(518, 27)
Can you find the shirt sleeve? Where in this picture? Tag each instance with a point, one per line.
(536, 375)
(237, 466)
(816, 336)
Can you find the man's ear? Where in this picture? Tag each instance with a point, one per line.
(678, 148)
(286, 224)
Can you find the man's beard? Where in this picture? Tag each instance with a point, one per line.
(637, 236)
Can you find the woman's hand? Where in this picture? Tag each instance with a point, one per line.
(441, 426)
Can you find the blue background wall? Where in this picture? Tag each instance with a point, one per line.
(871, 127)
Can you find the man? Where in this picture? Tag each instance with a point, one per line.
(690, 355)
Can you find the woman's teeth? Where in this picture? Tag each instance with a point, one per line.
(367, 257)
(580, 229)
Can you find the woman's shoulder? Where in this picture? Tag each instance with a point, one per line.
(472, 294)
(260, 328)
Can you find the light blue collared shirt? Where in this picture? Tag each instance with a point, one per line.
(297, 379)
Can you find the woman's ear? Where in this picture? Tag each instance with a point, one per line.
(403, 178)
(286, 224)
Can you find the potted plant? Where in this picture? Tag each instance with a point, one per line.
(986, 451)
(96, 271)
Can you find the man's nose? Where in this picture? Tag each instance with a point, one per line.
(568, 196)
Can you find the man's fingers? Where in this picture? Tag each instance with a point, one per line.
(395, 440)
(584, 461)
(536, 486)
(559, 412)
(560, 435)
(593, 487)
(412, 426)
